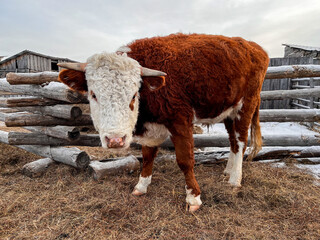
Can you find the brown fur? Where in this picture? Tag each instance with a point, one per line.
(76, 80)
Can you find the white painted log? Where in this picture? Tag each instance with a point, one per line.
(100, 169)
(289, 94)
(36, 168)
(27, 101)
(59, 111)
(289, 115)
(54, 90)
(32, 78)
(63, 132)
(28, 119)
(293, 71)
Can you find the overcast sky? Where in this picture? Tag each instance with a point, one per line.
(77, 28)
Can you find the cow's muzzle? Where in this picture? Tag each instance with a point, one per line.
(115, 142)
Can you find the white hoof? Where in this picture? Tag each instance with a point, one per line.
(235, 182)
(193, 208)
(135, 192)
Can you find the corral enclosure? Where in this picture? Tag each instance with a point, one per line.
(66, 203)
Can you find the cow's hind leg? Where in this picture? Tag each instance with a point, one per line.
(149, 154)
(238, 134)
(229, 124)
(183, 142)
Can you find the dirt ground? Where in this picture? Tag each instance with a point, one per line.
(65, 203)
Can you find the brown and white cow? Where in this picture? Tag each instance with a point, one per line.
(208, 79)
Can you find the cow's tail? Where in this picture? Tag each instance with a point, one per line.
(255, 135)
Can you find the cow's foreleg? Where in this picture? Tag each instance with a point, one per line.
(148, 153)
(183, 143)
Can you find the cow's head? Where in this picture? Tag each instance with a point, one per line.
(112, 82)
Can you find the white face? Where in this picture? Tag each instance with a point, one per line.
(113, 84)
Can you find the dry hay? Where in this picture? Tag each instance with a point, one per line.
(66, 203)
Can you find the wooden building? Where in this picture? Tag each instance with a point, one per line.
(28, 61)
(292, 50)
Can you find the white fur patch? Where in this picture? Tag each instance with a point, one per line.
(230, 163)
(230, 112)
(114, 79)
(143, 184)
(191, 199)
(155, 135)
(236, 172)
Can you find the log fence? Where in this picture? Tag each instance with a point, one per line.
(54, 115)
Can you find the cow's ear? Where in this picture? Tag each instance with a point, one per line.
(154, 83)
(76, 80)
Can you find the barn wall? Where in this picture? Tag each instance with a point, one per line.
(28, 63)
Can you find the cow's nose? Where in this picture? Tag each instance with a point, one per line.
(115, 142)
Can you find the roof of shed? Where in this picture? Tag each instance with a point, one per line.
(34, 53)
(307, 48)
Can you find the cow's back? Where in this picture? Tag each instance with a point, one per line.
(206, 73)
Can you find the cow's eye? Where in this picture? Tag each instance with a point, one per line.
(93, 95)
(131, 105)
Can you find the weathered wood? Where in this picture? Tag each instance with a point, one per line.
(36, 168)
(4, 137)
(59, 111)
(204, 140)
(70, 156)
(289, 115)
(36, 138)
(266, 153)
(26, 119)
(293, 71)
(5, 111)
(100, 169)
(32, 78)
(63, 132)
(27, 101)
(290, 94)
(53, 90)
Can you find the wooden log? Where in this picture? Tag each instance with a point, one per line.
(204, 140)
(36, 138)
(289, 115)
(36, 168)
(63, 132)
(27, 101)
(59, 111)
(100, 169)
(267, 153)
(289, 94)
(26, 119)
(4, 137)
(53, 90)
(71, 156)
(4, 112)
(293, 71)
(32, 78)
